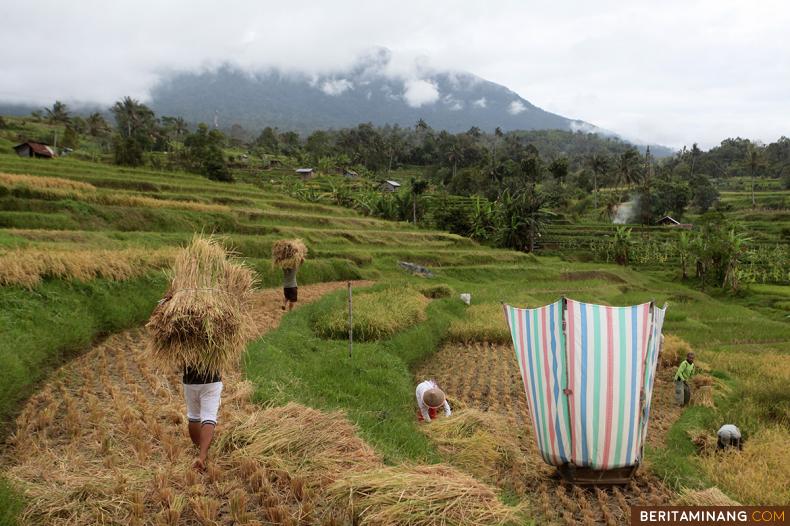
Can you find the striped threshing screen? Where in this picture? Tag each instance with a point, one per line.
(540, 351)
(606, 358)
(588, 396)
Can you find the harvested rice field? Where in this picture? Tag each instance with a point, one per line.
(485, 376)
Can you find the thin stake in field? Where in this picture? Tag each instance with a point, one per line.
(350, 321)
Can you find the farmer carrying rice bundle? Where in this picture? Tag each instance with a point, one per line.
(289, 254)
(201, 326)
(429, 399)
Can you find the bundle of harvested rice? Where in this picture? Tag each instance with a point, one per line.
(204, 321)
(704, 440)
(419, 496)
(707, 497)
(319, 445)
(673, 351)
(485, 446)
(288, 253)
(703, 390)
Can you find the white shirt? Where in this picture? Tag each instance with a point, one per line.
(421, 388)
(729, 430)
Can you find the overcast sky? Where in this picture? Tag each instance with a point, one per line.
(668, 72)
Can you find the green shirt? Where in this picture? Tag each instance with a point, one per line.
(685, 371)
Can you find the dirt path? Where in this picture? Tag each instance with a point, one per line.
(486, 377)
(104, 443)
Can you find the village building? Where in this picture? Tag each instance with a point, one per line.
(34, 149)
(305, 173)
(390, 186)
(672, 222)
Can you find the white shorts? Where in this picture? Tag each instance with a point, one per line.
(203, 402)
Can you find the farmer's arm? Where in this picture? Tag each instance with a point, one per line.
(447, 411)
(424, 410)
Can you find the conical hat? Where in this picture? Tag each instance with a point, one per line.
(433, 397)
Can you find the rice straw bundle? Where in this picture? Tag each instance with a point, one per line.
(204, 321)
(708, 497)
(703, 390)
(482, 444)
(288, 253)
(319, 445)
(420, 496)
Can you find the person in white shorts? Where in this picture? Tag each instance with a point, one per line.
(202, 393)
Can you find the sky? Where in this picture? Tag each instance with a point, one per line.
(666, 72)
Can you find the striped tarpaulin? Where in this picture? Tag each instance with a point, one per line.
(607, 347)
(651, 363)
(540, 351)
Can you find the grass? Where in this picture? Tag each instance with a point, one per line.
(11, 504)
(482, 323)
(374, 385)
(378, 315)
(43, 327)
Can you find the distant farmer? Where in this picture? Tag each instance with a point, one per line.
(290, 288)
(682, 376)
(729, 436)
(202, 393)
(429, 399)
(288, 255)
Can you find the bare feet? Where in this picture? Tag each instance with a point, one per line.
(199, 465)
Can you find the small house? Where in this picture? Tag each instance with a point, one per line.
(305, 173)
(34, 149)
(672, 222)
(350, 174)
(390, 186)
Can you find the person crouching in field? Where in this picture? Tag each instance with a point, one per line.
(290, 288)
(429, 399)
(729, 436)
(684, 373)
(202, 393)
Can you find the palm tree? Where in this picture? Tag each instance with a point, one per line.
(454, 156)
(418, 187)
(627, 167)
(58, 114)
(521, 218)
(599, 164)
(96, 124)
(755, 162)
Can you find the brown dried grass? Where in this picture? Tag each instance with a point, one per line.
(67, 189)
(204, 321)
(288, 253)
(484, 445)
(419, 496)
(707, 497)
(758, 475)
(28, 267)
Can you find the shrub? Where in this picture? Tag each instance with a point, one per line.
(377, 315)
(437, 291)
(483, 323)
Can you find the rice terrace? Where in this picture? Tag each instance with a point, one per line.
(379, 299)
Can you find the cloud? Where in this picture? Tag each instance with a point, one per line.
(701, 78)
(480, 103)
(336, 87)
(418, 93)
(516, 107)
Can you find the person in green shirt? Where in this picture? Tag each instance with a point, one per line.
(682, 388)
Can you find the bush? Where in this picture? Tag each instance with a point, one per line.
(482, 323)
(437, 291)
(377, 315)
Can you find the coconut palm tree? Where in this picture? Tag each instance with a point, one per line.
(418, 187)
(754, 161)
(59, 114)
(599, 163)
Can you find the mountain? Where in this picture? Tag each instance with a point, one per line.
(366, 92)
